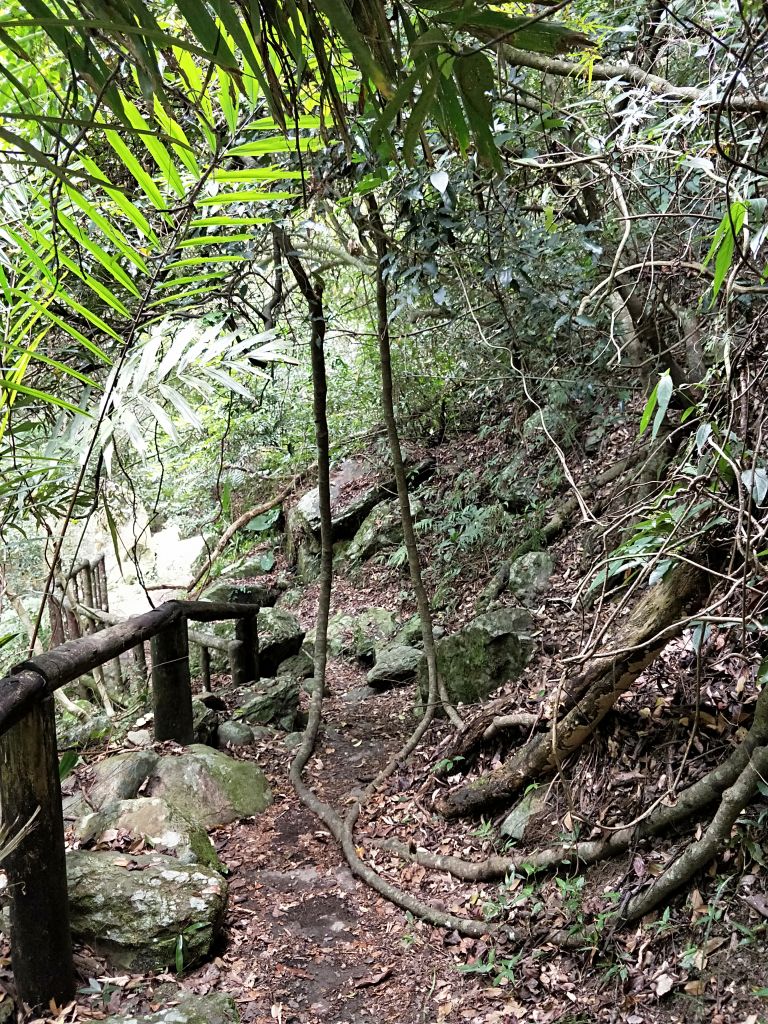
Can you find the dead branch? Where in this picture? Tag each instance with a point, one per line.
(242, 521)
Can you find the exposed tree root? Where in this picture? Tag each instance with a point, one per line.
(655, 620)
(689, 803)
(242, 521)
(698, 854)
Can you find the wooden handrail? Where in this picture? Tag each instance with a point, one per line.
(41, 949)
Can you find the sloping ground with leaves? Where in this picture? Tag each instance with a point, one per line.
(305, 941)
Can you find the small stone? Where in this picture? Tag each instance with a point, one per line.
(293, 740)
(235, 734)
(139, 737)
(358, 694)
(395, 666)
(516, 822)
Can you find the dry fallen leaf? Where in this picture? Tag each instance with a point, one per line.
(374, 979)
(663, 984)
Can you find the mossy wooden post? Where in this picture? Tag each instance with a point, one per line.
(205, 666)
(246, 631)
(41, 944)
(237, 666)
(171, 685)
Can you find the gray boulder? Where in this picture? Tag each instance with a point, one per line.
(280, 637)
(395, 666)
(381, 528)
(121, 776)
(358, 635)
(410, 633)
(492, 649)
(209, 788)
(215, 1008)
(275, 702)
(133, 909)
(235, 734)
(529, 575)
(152, 819)
(303, 521)
(298, 666)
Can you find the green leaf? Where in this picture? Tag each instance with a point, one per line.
(340, 17)
(67, 763)
(650, 405)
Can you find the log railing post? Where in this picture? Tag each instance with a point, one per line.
(246, 631)
(205, 666)
(171, 685)
(41, 943)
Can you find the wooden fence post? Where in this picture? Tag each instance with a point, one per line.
(171, 685)
(205, 666)
(246, 632)
(41, 943)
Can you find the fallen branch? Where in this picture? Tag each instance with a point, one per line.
(242, 521)
(605, 71)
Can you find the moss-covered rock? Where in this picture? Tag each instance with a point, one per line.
(492, 649)
(274, 702)
(529, 575)
(280, 637)
(215, 1008)
(298, 666)
(155, 821)
(382, 528)
(120, 777)
(209, 788)
(395, 666)
(132, 909)
(358, 635)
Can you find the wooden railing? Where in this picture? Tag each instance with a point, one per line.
(41, 943)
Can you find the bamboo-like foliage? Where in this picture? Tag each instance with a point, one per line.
(144, 154)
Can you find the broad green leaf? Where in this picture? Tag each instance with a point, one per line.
(188, 243)
(229, 222)
(14, 387)
(650, 405)
(156, 149)
(143, 179)
(109, 263)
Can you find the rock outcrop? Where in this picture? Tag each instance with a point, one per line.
(144, 912)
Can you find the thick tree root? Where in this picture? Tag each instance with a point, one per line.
(656, 619)
(690, 803)
(698, 854)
